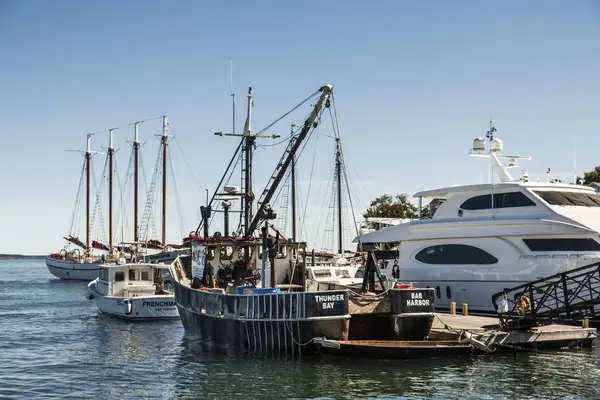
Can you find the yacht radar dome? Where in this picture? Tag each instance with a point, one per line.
(478, 145)
(496, 145)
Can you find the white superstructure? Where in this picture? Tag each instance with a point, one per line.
(484, 238)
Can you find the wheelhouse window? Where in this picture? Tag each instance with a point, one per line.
(119, 276)
(569, 198)
(132, 274)
(455, 254)
(145, 276)
(566, 244)
(501, 200)
(104, 274)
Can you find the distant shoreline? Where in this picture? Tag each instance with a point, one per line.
(4, 256)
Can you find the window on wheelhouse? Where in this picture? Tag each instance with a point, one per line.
(569, 198)
(132, 274)
(145, 276)
(501, 200)
(455, 254)
(564, 244)
(119, 276)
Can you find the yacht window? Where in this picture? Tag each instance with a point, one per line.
(566, 244)
(501, 200)
(104, 274)
(569, 198)
(455, 254)
(132, 274)
(145, 276)
(119, 276)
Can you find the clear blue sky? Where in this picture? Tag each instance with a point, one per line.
(415, 82)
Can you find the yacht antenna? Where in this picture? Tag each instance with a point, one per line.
(490, 136)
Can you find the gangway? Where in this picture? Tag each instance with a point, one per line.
(567, 295)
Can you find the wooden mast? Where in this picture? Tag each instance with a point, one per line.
(111, 152)
(164, 140)
(88, 158)
(338, 171)
(136, 155)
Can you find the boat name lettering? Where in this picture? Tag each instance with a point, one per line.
(158, 303)
(416, 299)
(328, 301)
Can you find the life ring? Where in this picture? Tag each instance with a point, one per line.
(523, 304)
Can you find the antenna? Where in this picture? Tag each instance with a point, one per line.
(231, 93)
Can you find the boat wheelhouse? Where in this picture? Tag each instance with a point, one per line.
(134, 291)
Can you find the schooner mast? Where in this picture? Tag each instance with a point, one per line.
(136, 157)
(164, 141)
(88, 165)
(111, 152)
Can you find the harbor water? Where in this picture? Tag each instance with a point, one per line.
(54, 344)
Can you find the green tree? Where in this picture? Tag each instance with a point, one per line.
(388, 206)
(592, 176)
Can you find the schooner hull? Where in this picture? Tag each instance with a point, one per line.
(70, 270)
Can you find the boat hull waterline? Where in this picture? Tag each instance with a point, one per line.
(156, 307)
(70, 270)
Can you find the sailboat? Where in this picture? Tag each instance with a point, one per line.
(80, 263)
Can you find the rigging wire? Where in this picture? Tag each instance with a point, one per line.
(177, 197)
(77, 206)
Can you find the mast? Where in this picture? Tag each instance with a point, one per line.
(111, 152)
(338, 171)
(164, 141)
(248, 153)
(136, 155)
(293, 178)
(88, 158)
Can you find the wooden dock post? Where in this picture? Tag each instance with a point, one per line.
(453, 308)
(465, 309)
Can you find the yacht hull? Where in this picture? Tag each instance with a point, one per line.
(70, 270)
(475, 285)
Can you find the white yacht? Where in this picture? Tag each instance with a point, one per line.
(488, 237)
(134, 291)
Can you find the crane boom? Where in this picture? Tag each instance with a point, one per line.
(287, 158)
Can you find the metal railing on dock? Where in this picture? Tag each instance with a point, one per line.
(572, 294)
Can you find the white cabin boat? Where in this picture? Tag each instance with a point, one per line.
(485, 238)
(134, 291)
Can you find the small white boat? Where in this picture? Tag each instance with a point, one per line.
(134, 291)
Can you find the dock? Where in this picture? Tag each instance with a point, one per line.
(486, 335)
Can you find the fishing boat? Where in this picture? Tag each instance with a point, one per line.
(134, 291)
(250, 290)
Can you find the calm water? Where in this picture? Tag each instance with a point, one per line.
(53, 344)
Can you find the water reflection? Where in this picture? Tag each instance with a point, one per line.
(225, 372)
